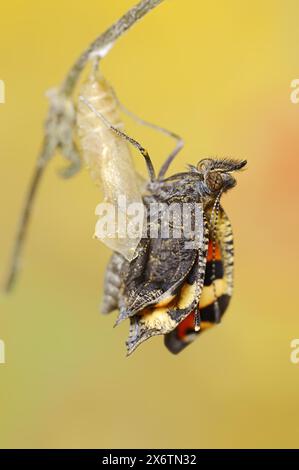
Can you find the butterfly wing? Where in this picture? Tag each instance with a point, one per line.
(163, 262)
(155, 275)
(164, 316)
(218, 288)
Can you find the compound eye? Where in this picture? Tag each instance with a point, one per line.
(214, 180)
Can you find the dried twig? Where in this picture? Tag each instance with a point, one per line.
(60, 122)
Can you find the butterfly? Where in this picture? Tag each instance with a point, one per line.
(169, 288)
(175, 277)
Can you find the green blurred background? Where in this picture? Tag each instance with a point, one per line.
(219, 74)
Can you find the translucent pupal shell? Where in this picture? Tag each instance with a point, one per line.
(111, 166)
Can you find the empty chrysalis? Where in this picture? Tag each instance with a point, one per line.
(110, 163)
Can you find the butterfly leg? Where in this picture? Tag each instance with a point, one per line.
(176, 150)
(124, 136)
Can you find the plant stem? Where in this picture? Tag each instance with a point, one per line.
(108, 37)
(60, 118)
(25, 216)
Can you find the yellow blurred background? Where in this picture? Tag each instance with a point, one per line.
(219, 74)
